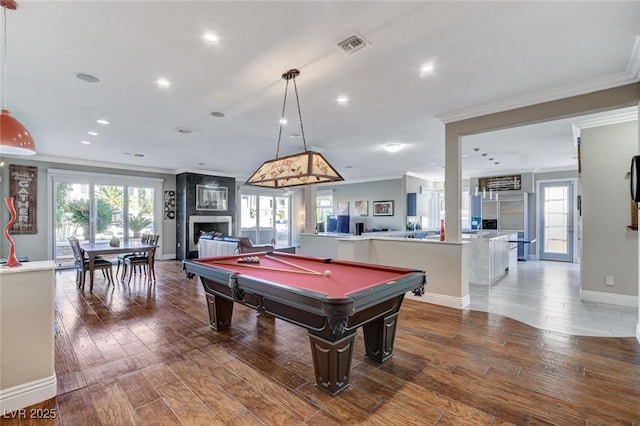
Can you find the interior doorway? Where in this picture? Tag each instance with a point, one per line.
(556, 213)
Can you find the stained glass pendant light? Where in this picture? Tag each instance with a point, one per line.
(304, 168)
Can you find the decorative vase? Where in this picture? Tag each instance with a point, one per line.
(441, 229)
(115, 242)
(12, 260)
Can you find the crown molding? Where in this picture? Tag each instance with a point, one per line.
(630, 75)
(616, 117)
(90, 163)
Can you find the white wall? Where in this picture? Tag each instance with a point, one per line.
(383, 190)
(609, 247)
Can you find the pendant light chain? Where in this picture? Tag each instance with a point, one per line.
(284, 103)
(4, 58)
(295, 86)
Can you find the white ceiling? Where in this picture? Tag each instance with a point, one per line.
(484, 53)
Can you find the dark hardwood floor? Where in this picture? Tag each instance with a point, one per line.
(144, 354)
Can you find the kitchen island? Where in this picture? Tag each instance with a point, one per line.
(491, 255)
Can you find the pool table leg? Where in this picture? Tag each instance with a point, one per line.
(379, 336)
(332, 362)
(220, 312)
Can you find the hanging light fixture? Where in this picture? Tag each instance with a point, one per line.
(304, 168)
(14, 137)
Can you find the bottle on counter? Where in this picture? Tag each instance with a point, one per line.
(441, 229)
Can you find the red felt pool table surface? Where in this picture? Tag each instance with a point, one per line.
(345, 278)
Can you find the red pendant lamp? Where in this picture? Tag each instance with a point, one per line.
(14, 137)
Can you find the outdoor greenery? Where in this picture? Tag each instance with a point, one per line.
(79, 210)
(138, 223)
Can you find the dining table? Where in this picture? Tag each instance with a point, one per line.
(98, 249)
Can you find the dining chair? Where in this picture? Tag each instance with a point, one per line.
(144, 239)
(82, 264)
(141, 261)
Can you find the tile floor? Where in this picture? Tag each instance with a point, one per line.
(546, 295)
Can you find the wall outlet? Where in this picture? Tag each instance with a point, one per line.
(609, 280)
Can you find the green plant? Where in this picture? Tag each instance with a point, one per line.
(138, 223)
(79, 210)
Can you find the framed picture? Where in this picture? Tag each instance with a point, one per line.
(361, 208)
(383, 208)
(212, 198)
(342, 208)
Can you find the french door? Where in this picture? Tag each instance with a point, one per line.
(265, 219)
(95, 208)
(556, 220)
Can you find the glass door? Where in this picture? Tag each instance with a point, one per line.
(282, 221)
(94, 210)
(72, 218)
(140, 212)
(556, 221)
(265, 219)
(109, 208)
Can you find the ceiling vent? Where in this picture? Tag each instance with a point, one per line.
(353, 43)
(184, 131)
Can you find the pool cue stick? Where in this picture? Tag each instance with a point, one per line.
(292, 264)
(245, 265)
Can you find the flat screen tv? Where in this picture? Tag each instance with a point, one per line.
(635, 179)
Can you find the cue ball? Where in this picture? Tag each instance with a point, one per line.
(327, 273)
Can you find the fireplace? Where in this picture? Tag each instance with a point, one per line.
(191, 218)
(197, 224)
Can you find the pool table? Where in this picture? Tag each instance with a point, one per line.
(330, 298)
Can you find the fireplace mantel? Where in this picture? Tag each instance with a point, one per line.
(208, 219)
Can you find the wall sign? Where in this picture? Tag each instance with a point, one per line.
(23, 188)
(501, 183)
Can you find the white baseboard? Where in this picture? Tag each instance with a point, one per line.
(168, 256)
(27, 394)
(610, 298)
(638, 332)
(442, 299)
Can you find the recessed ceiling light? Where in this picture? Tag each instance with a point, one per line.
(202, 164)
(476, 149)
(294, 135)
(92, 133)
(348, 167)
(465, 155)
(484, 154)
(218, 114)
(85, 142)
(102, 121)
(342, 100)
(163, 82)
(283, 121)
(210, 37)
(433, 163)
(490, 158)
(496, 163)
(426, 69)
(87, 77)
(392, 147)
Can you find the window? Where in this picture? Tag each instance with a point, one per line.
(265, 219)
(324, 207)
(96, 207)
